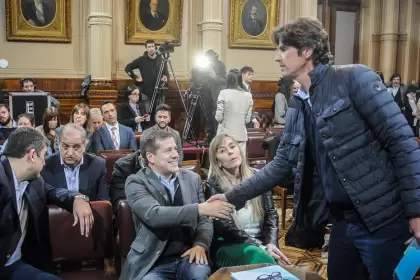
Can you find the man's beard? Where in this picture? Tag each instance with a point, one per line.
(6, 122)
(161, 124)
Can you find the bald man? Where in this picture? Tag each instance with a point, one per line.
(73, 169)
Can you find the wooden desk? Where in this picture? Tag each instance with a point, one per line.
(224, 273)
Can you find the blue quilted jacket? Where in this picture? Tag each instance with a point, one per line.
(367, 139)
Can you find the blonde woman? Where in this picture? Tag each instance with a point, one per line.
(79, 115)
(251, 237)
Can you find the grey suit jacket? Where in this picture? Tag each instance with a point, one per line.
(153, 217)
(175, 134)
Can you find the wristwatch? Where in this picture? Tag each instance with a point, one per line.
(82, 196)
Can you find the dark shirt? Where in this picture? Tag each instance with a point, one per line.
(179, 238)
(335, 193)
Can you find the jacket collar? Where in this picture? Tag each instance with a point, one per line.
(318, 73)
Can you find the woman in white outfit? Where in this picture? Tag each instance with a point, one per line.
(234, 109)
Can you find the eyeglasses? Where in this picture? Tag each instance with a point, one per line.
(272, 276)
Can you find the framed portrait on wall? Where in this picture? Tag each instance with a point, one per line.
(251, 23)
(38, 20)
(159, 20)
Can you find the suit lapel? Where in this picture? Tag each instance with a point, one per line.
(60, 176)
(107, 138)
(32, 198)
(185, 187)
(10, 181)
(155, 182)
(84, 176)
(133, 113)
(122, 136)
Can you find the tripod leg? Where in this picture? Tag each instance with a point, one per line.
(156, 90)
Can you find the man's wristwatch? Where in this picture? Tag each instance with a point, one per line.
(82, 196)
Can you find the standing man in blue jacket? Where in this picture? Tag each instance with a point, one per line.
(353, 155)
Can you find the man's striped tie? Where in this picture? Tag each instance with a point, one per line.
(114, 138)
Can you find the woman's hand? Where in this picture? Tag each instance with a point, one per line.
(277, 254)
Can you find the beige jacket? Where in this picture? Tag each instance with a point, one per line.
(234, 111)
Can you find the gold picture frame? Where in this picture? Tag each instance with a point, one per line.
(251, 23)
(50, 23)
(147, 20)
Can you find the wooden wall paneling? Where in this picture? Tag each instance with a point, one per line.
(67, 91)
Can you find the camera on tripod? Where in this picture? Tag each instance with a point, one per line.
(168, 46)
(200, 74)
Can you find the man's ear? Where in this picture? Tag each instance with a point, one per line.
(307, 52)
(30, 155)
(149, 157)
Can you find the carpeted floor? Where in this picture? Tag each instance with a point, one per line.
(312, 260)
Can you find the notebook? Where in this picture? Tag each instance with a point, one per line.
(253, 274)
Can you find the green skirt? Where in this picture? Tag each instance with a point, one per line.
(233, 254)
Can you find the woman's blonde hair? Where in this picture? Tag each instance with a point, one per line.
(217, 173)
(87, 125)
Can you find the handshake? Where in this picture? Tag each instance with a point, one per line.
(216, 207)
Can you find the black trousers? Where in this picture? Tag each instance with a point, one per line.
(20, 270)
(356, 253)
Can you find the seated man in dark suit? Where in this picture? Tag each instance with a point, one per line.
(23, 197)
(169, 216)
(73, 169)
(112, 135)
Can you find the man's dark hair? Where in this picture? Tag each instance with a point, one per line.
(163, 107)
(395, 75)
(305, 33)
(104, 103)
(5, 106)
(22, 140)
(24, 80)
(150, 145)
(30, 117)
(247, 69)
(149, 42)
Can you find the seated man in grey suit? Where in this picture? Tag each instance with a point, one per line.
(113, 135)
(73, 169)
(170, 216)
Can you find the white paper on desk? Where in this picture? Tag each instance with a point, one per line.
(253, 274)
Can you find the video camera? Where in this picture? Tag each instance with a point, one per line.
(168, 46)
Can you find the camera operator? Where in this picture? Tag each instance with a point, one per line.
(148, 65)
(29, 85)
(210, 91)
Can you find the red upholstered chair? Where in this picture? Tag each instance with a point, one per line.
(253, 129)
(256, 154)
(111, 156)
(69, 246)
(127, 233)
